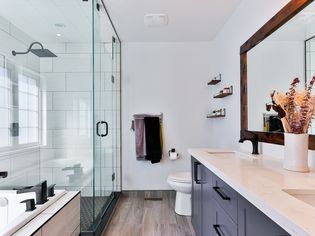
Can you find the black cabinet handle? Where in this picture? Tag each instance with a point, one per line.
(221, 193)
(218, 230)
(196, 164)
(98, 128)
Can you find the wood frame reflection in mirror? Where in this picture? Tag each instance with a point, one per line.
(282, 17)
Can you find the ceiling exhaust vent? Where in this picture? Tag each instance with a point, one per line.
(155, 20)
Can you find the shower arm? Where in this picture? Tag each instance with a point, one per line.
(14, 53)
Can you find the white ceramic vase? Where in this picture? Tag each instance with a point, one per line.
(296, 152)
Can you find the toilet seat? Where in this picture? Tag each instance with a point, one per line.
(180, 177)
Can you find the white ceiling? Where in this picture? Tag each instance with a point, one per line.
(189, 20)
(37, 18)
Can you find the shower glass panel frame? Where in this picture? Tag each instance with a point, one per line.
(105, 113)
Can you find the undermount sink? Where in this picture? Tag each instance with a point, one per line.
(305, 195)
(236, 154)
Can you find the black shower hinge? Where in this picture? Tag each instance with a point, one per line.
(15, 129)
(113, 79)
(98, 6)
(113, 176)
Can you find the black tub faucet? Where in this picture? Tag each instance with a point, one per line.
(40, 190)
(3, 174)
(250, 136)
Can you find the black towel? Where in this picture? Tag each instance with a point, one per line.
(153, 139)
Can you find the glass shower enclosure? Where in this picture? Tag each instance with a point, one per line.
(62, 109)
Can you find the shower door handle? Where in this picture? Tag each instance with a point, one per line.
(106, 128)
(98, 128)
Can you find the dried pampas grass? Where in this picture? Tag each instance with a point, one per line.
(296, 109)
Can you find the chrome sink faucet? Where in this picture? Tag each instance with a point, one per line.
(250, 136)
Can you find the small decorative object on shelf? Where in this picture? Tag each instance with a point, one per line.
(215, 80)
(217, 113)
(296, 110)
(224, 92)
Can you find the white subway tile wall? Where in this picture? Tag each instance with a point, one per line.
(23, 169)
(23, 166)
(66, 154)
(67, 83)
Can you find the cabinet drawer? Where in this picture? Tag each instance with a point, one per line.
(221, 222)
(225, 196)
(251, 221)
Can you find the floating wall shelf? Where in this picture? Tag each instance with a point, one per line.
(215, 80)
(215, 116)
(217, 113)
(224, 93)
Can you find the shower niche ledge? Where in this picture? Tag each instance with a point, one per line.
(61, 218)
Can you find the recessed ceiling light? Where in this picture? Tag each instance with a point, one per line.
(59, 35)
(60, 25)
(155, 20)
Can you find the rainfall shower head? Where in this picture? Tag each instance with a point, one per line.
(38, 52)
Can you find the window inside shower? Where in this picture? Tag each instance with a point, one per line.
(60, 116)
(19, 91)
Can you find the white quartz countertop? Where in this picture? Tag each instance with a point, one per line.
(261, 182)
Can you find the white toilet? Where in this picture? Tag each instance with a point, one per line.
(181, 183)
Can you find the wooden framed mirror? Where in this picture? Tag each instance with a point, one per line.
(278, 27)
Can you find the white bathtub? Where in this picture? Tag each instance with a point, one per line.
(13, 215)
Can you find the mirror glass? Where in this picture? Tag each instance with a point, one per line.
(272, 65)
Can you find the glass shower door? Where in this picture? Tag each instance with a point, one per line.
(102, 115)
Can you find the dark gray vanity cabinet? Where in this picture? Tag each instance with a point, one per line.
(221, 222)
(251, 221)
(196, 197)
(207, 202)
(218, 210)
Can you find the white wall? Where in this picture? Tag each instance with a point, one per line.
(151, 73)
(245, 21)
(170, 78)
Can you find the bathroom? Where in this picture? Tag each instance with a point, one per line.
(76, 75)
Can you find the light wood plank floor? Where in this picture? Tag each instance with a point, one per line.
(135, 216)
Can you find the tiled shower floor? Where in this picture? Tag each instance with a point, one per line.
(87, 210)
